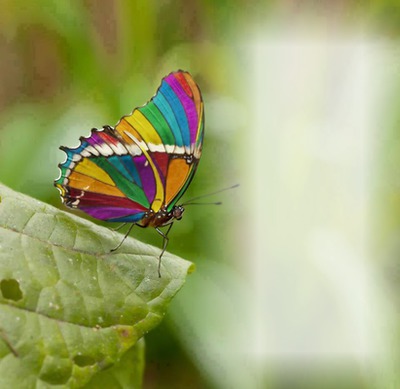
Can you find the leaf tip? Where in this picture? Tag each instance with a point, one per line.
(191, 268)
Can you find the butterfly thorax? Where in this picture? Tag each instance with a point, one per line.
(162, 217)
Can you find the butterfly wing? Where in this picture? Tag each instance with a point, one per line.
(169, 130)
(145, 163)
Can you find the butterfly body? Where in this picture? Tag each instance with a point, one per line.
(161, 218)
(136, 171)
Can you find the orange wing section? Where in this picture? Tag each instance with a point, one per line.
(178, 172)
(124, 127)
(83, 182)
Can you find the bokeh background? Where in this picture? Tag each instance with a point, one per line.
(298, 271)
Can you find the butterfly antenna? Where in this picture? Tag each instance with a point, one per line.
(190, 201)
(216, 203)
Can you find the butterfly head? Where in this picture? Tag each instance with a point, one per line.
(177, 212)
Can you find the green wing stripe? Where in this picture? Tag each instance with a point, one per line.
(130, 189)
(201, 135)
(154, 116)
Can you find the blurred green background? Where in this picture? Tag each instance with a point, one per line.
(69, 66)
(66, 67)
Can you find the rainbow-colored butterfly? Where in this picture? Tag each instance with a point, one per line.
(136, 172)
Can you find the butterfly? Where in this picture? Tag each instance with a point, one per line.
(137, 171)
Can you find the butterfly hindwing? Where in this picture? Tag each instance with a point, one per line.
(102, 178)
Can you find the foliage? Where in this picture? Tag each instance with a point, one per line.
(70, 309)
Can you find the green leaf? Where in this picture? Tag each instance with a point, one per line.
(127, 373)
(69, 309)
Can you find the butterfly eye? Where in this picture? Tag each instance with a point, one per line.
(177, 212)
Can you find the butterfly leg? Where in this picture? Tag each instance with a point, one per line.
(165, 244)
(123, 240)
(118, 227)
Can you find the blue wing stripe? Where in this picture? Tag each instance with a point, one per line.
(71, 152)
(128, 219)
(181, 118)
(132, 169)
(166, 110)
